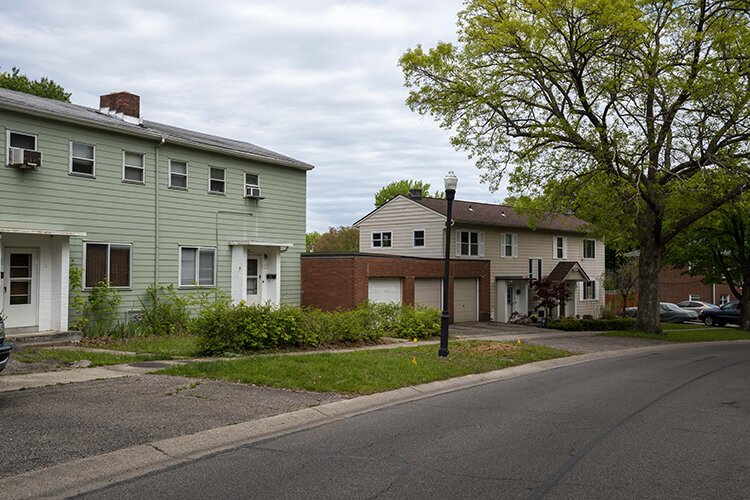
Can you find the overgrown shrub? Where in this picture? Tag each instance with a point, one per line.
(96, 314)
(571, 324)
(164, 311)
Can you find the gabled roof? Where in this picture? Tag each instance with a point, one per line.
(567, 270)
(64, 111)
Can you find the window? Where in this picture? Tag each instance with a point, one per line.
(723, 299)
(381, 240)
(470, 243)
(589, 290)
(178, 174)
(418, 237)
(19, 140)
(197, 266)
(107, 261)
(82, 159)
(508, 245)
(560, 247)
(217, 180)
(535, 269)
(694, 296)
(251, 181)
(589, 249)
(133, 167)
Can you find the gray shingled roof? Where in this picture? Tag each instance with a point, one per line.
(563, 269)
(486, 214)
(50, 108)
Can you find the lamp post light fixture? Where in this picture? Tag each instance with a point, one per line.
(450, 193)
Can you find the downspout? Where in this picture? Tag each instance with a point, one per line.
(713, 293)
(156, 211)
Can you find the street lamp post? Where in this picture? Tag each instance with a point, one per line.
(450, 193)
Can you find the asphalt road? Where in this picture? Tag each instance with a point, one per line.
(674, 423)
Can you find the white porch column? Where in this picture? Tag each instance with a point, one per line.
(239, 274)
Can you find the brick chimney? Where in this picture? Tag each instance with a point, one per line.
(121, 103)
(415, 194)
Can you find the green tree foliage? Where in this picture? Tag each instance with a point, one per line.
(343, 239)
(386, 193)
(633, 114)
(718, 249)
(310, 240)
(44, 87)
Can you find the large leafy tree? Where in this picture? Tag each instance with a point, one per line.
(633, 113)
(44, 87)
(718, 248)
(386, 193)
(343, 239)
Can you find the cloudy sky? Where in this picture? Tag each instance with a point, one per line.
(317, 80)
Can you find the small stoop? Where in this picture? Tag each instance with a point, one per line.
(46, 338)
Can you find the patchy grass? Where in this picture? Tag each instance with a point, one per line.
(368, 371)
(167, 346)
(66, 357)
(686, 332)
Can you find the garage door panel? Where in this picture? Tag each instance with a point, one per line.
(465, 303)
(384, 290)
(427, 292)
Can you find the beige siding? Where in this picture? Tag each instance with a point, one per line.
(401, 217)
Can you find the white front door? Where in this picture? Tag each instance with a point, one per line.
(21, 287)
(254, 280)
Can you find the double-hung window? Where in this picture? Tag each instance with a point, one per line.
(133, 167)
(107, 262)
(82, 159)
(723, 299)
(535, 269)
(470, 243)
(252, 185)
(217, 180)
(589, 290)
(381, 240)
(197, 266)
(509, 245)
(19, 140)
(589, 249)
(178, 174)
(559, 247)
(418, 238)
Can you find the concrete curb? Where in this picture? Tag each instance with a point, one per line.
(91, 473)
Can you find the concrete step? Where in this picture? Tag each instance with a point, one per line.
(38, 339)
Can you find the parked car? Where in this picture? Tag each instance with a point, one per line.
(696, 305)
(668, 313)
(4, 348)
(728, 313)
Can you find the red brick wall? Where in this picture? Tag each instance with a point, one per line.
(332, 282)
(676, 287)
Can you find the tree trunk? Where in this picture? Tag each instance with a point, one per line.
(745, 304)
(649, 266)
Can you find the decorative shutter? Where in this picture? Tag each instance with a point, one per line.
(481, 243)
(540, 269)
(595, 289)
(582, 289)
(515, 246)
(502, 244)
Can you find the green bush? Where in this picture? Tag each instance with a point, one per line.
(571, 324)
(164, 311)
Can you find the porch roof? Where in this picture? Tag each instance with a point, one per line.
(251, 243)
(43, 232)
(569, 271)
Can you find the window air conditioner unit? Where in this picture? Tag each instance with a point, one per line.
(24, 158)
(252, 192)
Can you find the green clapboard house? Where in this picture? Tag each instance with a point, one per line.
(138, 202)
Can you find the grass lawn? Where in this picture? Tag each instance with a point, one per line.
(180, 346)
(368, 371)
(32, 355)
(685, 332)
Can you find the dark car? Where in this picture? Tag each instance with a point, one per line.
(668, 313)
(728, 313)
(4, 348)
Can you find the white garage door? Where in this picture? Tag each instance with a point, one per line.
(427, 292)
(384, 290)
(465, 299)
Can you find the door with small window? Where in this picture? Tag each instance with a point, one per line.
(21, 287)
(253, 280)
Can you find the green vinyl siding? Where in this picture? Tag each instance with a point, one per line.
(110, 210)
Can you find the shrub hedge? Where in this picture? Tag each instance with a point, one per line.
(571, 324)
(223, 328)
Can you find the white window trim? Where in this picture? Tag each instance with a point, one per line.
(564, 247)
(247, 184)
(596, 291)
(691, 299)
(584, 249)
(381, 233)
(722, 301)
(224, 180)
(513, 246)
(533, 262)
(109, 244)
(142, 168)
(187, 175)
(7, 142)
(414, 237)
(480, 243)
(195, 283)
(70, 160)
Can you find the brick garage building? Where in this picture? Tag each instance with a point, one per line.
(343, 281)
(676, 285)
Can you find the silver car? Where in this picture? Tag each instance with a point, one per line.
(697, 305)
(668, 313)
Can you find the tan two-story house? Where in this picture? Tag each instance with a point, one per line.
(556, 246)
